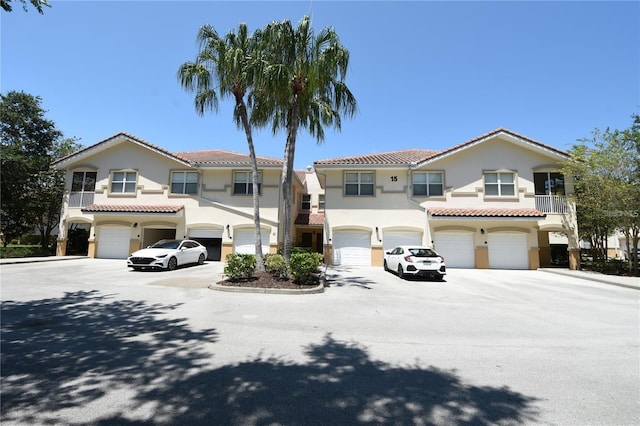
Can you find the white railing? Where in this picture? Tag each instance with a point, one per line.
(552, 204)
(80, 199)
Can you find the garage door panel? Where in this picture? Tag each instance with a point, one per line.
(113, 242)
(352, 248)
(244, 241)
(392, 239)
(508, 251)
(458, 249)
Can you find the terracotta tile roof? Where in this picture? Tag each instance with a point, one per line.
(302, 176)
(495, 133)
(218, 157)
(403, 158)
(462, 212)
(310, 219)
(116, 136)
(110, 208)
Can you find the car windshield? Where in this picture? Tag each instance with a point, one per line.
(422, 252)
(166, 244)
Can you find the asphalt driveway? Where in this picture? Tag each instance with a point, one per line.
(89, 342)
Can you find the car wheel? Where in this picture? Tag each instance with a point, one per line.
(201, 259)
(386, 268)
(400, 271)
(173, 264)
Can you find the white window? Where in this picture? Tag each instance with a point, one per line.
(123, 182)
(306, 202)
(184, 182)
(358, 183)
(499, 184)
(243, 183)
(321, 202)
(428, 184)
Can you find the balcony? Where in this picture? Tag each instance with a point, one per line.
(80, 199)
(554, 204)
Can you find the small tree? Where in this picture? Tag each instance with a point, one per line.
(606, 174)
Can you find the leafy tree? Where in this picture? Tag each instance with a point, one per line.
(224, 67)
(606, 175)
(300, 84)
(38, 4)
(31, 194)
(46, 195)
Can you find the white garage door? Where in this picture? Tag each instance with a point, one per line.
(456, 248)
(393, 239)
(508, 251)
(244, 241)
(113, 242)
(352, 248)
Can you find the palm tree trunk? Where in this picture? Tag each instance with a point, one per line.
(256, 188)
(287, 176)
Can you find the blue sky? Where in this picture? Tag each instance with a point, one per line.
(425, 74)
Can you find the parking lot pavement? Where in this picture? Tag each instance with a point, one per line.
(88, 341)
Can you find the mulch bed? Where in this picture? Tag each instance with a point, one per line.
(264, 280)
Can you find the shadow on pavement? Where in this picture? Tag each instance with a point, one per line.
(65, 353)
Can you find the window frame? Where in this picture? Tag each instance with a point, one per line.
(83, 182)
(427, 185)
(184, 183)
(123, 182)
(321, 202)
(360, 183)
(248, 184)
(304, 203)
(499, 184)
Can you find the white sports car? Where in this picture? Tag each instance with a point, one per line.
(168, 254)
(416, 261)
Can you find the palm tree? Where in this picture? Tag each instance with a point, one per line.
(300, 83)
(223, 68)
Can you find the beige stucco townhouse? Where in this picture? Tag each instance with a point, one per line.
(495, 201)
(124, 193)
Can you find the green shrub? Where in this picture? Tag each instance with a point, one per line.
(304, 266)
(275, 265)
(16, 251)
(30, 239)
(240, 266)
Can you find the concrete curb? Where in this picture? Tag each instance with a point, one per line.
(234, 289)
(592, 276)
(15, 260)
(311, 290)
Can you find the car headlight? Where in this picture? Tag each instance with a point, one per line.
(162, 256)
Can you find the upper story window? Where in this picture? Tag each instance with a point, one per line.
(499, 184)
(184, 182)
(358, 183)
(243, 183)
(306, 202)
(428, 184)
(549, 183)
(321, 202)
(83, 185)
(83, 182)
(123, 182)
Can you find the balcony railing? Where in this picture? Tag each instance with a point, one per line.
(552, 204)
(80, 199)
